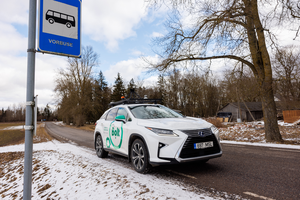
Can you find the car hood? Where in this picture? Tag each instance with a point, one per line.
(175, 123)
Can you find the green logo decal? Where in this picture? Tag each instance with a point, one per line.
(115, 132)
(114, 139)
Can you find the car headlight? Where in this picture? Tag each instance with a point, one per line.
(162, 132)
(215, 130)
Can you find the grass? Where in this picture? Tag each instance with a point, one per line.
(8, 124)
(13, 137)
(250, 133)
(41, 134)
(215, 122)
(87, 127)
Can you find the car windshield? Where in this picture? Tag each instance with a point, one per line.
(153, 112)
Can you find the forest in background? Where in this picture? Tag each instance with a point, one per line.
(82, 97)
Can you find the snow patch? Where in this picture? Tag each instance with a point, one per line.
(14, 127)
(66, 171)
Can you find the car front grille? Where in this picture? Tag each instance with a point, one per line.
(206, 135)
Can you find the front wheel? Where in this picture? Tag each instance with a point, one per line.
(139, 157)
(51, 21)
(101, 153)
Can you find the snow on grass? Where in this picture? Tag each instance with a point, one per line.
(14, 127)
(254, 132)
(59, 123)
(283, 146)
(66, 171)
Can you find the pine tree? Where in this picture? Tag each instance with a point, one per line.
(101, 96)
(131, 85)
(47, 112)
(118, 89)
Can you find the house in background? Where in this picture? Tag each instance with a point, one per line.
(254, 107)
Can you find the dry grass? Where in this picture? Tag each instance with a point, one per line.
(13, 137)
(8, 124)
(10, 161)
(290, 134)
(242, 135)
(256, 133)
(215, 122)
(87, 127)
(41, 134)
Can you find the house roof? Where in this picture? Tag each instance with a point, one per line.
(257, 106)
(252, 106)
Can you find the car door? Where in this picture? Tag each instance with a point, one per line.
(115, 132)
(110, 117)
(123, 126)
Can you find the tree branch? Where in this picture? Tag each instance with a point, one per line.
(169, 61)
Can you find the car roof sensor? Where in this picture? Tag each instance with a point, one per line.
(134, 98)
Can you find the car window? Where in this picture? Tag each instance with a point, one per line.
(122, 111)
(104, 115)
(112, 114)
(153, 112)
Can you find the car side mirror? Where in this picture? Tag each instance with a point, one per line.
(121, 118)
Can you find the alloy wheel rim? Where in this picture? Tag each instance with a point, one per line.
(99, 145)
(138, 156)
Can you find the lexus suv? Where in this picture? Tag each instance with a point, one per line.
(152, 134)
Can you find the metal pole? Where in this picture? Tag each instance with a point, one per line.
(29, 101)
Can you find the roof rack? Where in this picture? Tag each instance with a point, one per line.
(131, 100)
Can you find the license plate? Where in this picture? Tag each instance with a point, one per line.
(203, 145)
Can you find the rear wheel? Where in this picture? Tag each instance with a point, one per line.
(139, 157)
(101, 153)
(68, 24)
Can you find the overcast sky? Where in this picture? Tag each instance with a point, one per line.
(119, 31)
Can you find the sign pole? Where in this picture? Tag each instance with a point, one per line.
(29, 101)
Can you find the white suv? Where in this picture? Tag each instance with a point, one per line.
(152, 134)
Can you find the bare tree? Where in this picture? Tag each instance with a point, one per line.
(287, 74)
(74, 88)
(242, 81)
(193, 93)
(231, 29)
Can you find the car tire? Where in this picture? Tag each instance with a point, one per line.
(139, 157)
(101, 153)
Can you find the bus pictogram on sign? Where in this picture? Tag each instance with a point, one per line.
(58, 17)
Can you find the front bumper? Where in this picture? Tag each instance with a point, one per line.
(186, 151)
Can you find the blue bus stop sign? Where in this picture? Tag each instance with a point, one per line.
(60, 27)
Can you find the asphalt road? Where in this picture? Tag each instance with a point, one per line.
(249, 171)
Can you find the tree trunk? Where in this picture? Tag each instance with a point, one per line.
(272, 132)
(262, 70)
